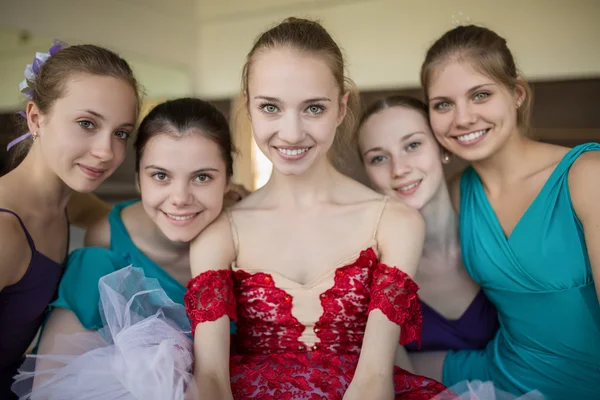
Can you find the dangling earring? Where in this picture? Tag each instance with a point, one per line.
(34, 135)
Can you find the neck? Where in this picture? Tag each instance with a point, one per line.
(306, 190)
(441, 225)
(39, 186)
(164, 244)
(506, 164)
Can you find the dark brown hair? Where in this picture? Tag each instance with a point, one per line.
(54, 74)
(488, 54)
(183, 117)
(310, 37)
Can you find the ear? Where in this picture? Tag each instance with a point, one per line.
(34, 117)
(446, 156)
(520, 93)
(343, 107)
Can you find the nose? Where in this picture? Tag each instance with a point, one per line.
(291, 130)
(102, 148)
(400, 167)
(464, 115)
(181, 195)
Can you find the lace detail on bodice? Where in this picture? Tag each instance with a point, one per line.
(265, 320)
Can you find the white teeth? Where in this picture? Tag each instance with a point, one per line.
(292, 152)
(408, 187)
(181, 217)
(471, 136)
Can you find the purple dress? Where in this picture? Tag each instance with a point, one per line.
(473, 330)
(23, 308)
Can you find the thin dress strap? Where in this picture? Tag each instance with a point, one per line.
(29, 238)
(383, 203)
(234, 233)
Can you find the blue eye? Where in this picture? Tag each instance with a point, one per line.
(413, 146)
(442, 105)
(481, 96)
(85, 124)
(269, 108)
(377, 160)
(316, 109)
(122, 135)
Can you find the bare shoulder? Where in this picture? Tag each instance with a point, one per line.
(214, 248)
(400, 236)
(584, 184)
(98, 234)
(15, 252)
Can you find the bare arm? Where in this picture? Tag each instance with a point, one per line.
(213, 250)
(400, 240)
(585, 195)
(85, 209)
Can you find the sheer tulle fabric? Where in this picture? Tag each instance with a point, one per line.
(143, 351)
(477, 390)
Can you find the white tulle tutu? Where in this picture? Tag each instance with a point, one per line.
(477, 390)
(144, 350)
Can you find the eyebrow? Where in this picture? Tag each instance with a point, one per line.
(276, 100)
(473, 89)
(102, 118)
(402, 139)
(198, 171)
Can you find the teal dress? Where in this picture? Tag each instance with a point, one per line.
(540, 280)
(78, 290)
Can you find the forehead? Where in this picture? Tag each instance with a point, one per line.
(455, 77)
(287, 73)
(111, 97)
(391, 124)
(190, 151)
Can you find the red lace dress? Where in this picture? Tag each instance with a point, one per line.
(303, 341)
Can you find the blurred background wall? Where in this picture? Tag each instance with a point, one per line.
(197, 47)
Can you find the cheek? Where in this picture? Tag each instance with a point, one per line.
(151, 194)
(440, 123)
(120, 151)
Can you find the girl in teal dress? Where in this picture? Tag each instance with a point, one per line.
(529, 223)
(183, 164)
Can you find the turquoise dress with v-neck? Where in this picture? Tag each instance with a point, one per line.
(78, 290)
(540, 280)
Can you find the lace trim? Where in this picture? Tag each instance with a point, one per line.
(210, 296)
(395, 294)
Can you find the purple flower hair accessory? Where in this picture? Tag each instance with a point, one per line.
(31, 72)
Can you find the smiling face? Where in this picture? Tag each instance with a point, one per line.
(83, 137)
(400, 155)
(295, 106)
(182, 181)
(471, 115)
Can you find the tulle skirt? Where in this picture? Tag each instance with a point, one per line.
(477, 390)
(144, 350)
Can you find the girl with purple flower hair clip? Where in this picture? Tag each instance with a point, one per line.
(83, 103)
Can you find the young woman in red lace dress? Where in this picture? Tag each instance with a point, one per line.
(314, 267)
